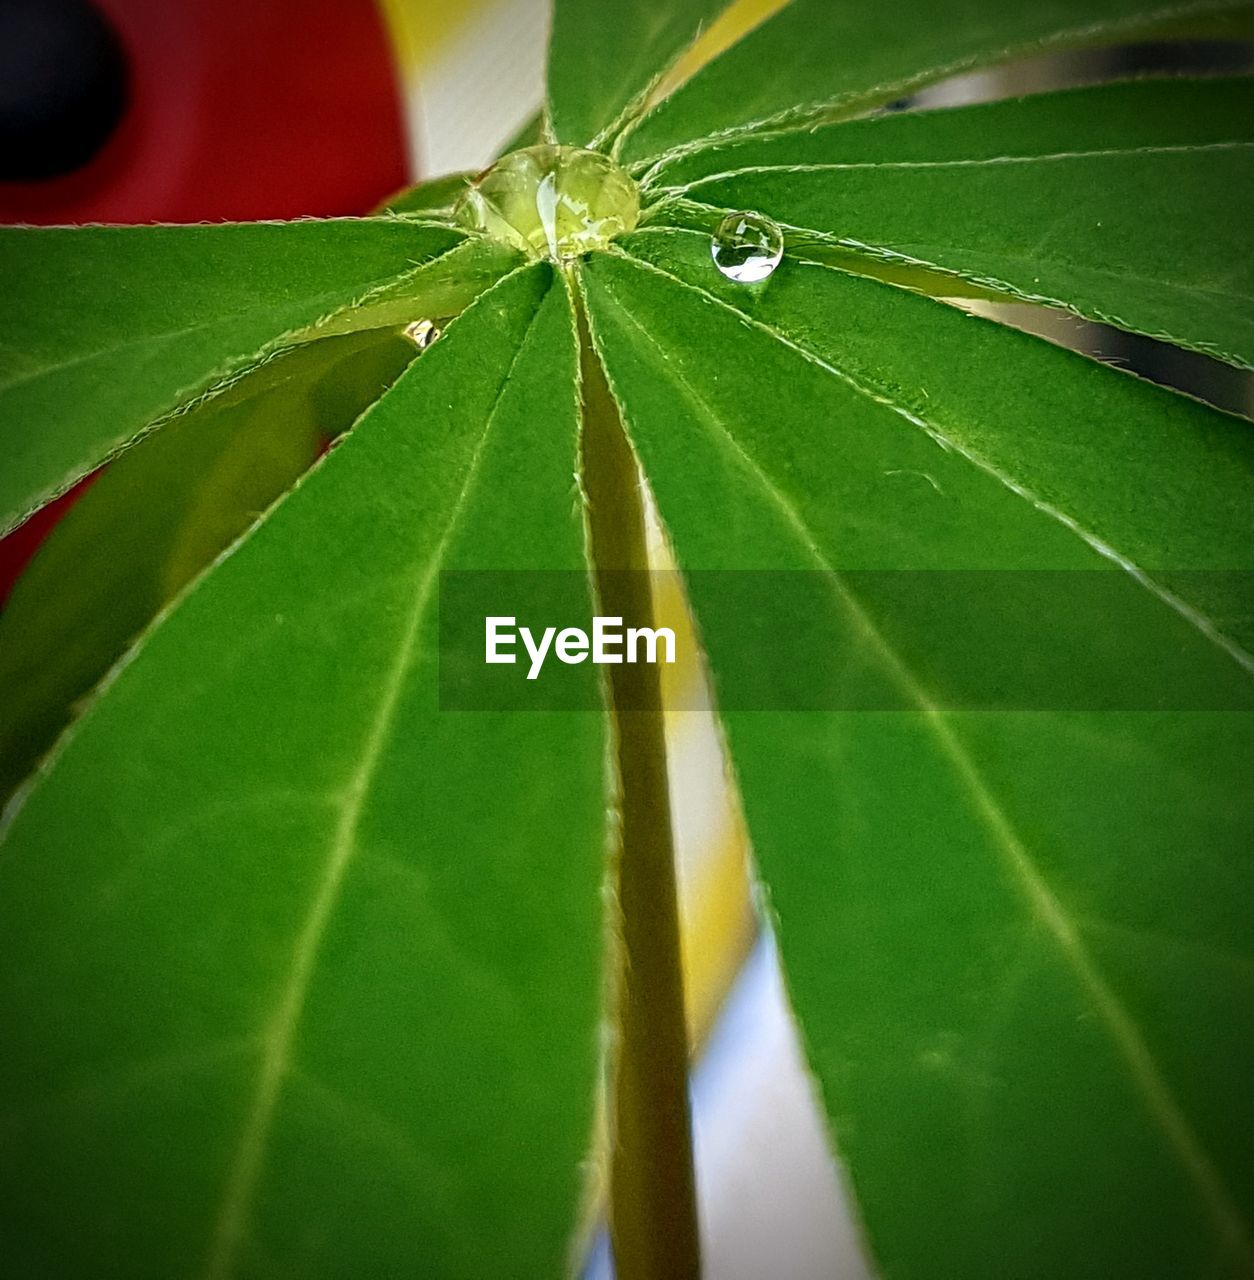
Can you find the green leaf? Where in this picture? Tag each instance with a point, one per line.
(1017, 943)
(323, 986)
(1124, 115)
(438, 196)
(1099, 200)
(439, 289)
(1007, 408)
(107, 329)
(817, 58)
(605, 56)
(157, 516)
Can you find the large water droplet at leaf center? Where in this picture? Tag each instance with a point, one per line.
(552, 202)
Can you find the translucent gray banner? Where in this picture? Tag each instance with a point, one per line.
(961, 640)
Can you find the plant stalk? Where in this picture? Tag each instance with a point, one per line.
(653, 1218)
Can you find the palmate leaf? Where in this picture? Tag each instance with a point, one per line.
(819, 57)
(302, 975)
(276, 998)
(96, 343)
(1017, 942)
(1069, 198)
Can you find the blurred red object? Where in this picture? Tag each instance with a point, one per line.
(238, 110)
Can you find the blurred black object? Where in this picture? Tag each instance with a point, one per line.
(63, 86)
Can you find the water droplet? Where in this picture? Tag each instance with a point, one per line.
(422, 333)
(747, 247)
(552, 202)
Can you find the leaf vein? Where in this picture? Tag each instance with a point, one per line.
(972, 162)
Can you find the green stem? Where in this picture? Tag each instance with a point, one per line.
(653, 1220)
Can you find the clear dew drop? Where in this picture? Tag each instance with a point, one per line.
(552, 202)
(422, 333)
(747, 247)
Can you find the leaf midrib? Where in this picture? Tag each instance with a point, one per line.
(959, 162)
(282, 1026)
(1042, 904)
(345, 299)
(155, 341)
(898, 252)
